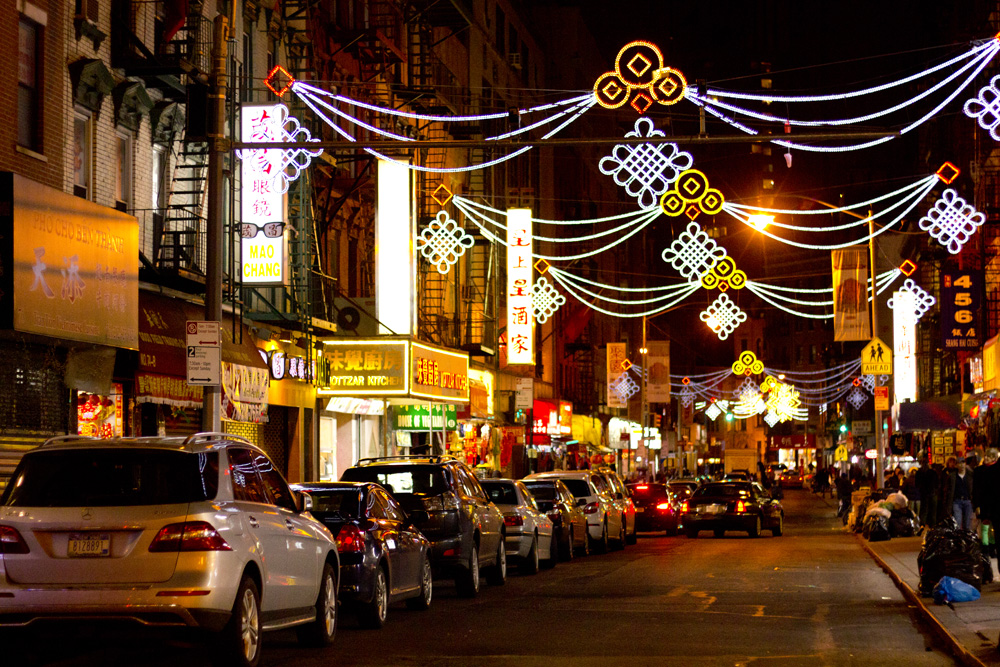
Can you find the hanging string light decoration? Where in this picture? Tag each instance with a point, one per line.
(922, 300)
(748, 364)
(686, 396)
(639, 79)
(624, 386)
(857, 397)
(952, 221)
(545, 299)
(442, 242)
(723, 316)
(284, 164)
(646, 170)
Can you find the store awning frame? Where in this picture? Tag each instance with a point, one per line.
(927, 416)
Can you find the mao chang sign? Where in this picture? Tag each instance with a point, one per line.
(68, 266)
(393, 367)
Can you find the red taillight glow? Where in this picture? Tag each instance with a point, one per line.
(513, 520)
(642, 487)
(590, 508)
(188, 536)
(350, 539)
(741, 506)
(11, 541)
(555, 516)
(662, 506)
(684, 506)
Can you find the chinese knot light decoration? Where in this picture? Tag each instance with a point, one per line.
(723, 316)
(640, 79)
(922, 300)
(952, 221)
(646, 170)
(693, 253)
(625, 387)
(442, 242)
(546, 299)
(520, 316)
(748, 364)
(283, 165)
(985, 108)
(857, 397)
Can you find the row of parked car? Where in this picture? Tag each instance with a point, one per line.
(204, 533)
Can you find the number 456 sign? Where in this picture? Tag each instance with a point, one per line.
(961, 299)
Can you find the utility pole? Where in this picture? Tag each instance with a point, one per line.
(879, 453)
(211, 414)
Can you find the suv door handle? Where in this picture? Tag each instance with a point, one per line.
(289, 525)
(252, 520)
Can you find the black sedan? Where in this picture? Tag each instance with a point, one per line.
(383, 556)
(722, 506)
(655, 508)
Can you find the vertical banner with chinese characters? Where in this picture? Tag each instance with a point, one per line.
(850, 294)
(658, 367)
(395, 267)
(904, 338)
(960, 307)
(520, 319)
(262, 228)
(616, 355)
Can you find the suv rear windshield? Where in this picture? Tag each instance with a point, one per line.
(578, 487)
(501, 493)
(423, 480)
(345, 502)
(112, 477)
(542, 490)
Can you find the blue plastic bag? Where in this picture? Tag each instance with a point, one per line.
(950, 589)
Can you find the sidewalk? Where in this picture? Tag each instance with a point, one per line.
(971, 629)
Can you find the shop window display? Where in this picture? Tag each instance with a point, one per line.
(100, 416)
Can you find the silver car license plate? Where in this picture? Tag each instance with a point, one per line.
(89, 545)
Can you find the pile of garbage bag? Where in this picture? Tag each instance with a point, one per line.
(950, 589)
(950, 551)
(876, 527)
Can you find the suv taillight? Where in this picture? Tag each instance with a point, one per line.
(513, 520)
(11, 541)
(445, 501)
(741, 506)
(591, 508)
(188, 536)
(350, 539)
(684, 506)
(663, 506)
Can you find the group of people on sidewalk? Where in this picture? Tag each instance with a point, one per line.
(961, 488)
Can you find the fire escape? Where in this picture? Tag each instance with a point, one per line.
(987, 199)
(175, 60)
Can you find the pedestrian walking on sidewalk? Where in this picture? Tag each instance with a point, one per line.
(842, 483)
(926, 480)
(958, 495)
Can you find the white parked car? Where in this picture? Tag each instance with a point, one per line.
(623, 501)
(201, 532)
(604, 519)
(529, 535)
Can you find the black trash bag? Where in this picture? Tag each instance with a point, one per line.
(876, 528)
(950, 551)
(903, 523)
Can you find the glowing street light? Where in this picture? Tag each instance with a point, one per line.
(760, 220)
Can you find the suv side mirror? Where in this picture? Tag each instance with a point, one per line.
(304, 501)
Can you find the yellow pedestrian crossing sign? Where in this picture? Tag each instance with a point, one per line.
(876, 358)
(840, 454)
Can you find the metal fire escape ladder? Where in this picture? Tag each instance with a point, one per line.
(180, 244)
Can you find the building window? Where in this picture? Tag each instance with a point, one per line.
(768, 184)
(159, 178)
(29, 58)
(812, 354)
(82, 152)
(123, 171)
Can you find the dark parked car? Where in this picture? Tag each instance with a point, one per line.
(682, 488)
(722, 506)
(655, 508)
(466, 530)
(384, 558)
(556, 500)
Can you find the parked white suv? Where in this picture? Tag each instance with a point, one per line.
(604, 519)
(201, 532)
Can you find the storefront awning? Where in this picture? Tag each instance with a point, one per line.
(928, 416)
(162, 373)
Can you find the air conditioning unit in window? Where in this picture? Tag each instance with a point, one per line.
(514, 60)
(355, 317)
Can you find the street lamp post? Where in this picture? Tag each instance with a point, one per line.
(642, 390)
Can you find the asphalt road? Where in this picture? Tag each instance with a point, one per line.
(811, 597)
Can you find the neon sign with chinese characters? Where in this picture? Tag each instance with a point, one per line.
(262, 239)
(520, 319)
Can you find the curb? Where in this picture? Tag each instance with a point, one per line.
(958, 651)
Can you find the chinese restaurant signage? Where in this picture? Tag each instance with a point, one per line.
(262, 238)
(419, 418)
(520, 319)
(387, 367)
(960, 308)
(68, 266)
